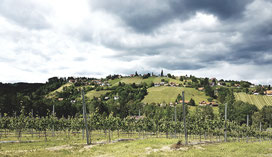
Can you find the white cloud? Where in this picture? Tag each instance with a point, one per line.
(72, 38)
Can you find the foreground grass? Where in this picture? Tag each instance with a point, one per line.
(142, 147)
(169, 94)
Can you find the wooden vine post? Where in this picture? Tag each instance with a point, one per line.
(226, 109)
(184, 119)
(85, 117)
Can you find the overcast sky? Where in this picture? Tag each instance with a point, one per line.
(229, 39)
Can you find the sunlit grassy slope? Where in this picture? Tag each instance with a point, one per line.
(169, 94)
(258, 100)
(138, 80)
(60, 89)
(95, 93)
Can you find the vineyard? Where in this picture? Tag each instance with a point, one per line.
(258, 100)
(198, 129)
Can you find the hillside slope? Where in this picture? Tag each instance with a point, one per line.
(258, 100)
(94, 93)
(60, 89)
(169, 94)
(138, 80)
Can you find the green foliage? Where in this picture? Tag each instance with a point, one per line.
(192, 102)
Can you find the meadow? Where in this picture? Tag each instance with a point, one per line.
(169, 94)
(138, 80)
(140, 147)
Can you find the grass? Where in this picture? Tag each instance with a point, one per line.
(142, 147)
(60, 89)
(138, 80)
(95, 93)
(258, 100)
(169, 94)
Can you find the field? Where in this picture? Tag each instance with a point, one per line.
(258, 100)
(169, 94)
(60, 89)
(95, 93)
(141, 147)
(138, 80)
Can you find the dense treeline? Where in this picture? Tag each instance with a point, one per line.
(31, 96)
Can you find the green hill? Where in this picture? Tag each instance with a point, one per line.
(258, 100)
(169, 94)
(155, 94)
(95, 93)
(60, 89)
(138, 80)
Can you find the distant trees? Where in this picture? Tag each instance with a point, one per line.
(161, 73)
(209, 91)
(222, 93)
(241, 110)
(229, 100)
(145, 76)
(236, 110)
(205, 111)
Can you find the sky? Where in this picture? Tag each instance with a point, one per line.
(226, 39)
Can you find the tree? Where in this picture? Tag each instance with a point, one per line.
(162, 73)
(229, 100)
(222, 93)
(181, 78)
(179, 98)
(136, 74)
(210, 99)
(209, 91)
(191, 102)
(206, 112)
(241, 110)
(266, 113)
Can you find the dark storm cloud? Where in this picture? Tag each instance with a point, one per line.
(124, 36)
(145, 16)
(24, 13)
(224, 9)
(255, 46)
(176, 65)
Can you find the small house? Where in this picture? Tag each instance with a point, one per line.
(203, 103)
(268, 92)
(201, 89)
(116, 97)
